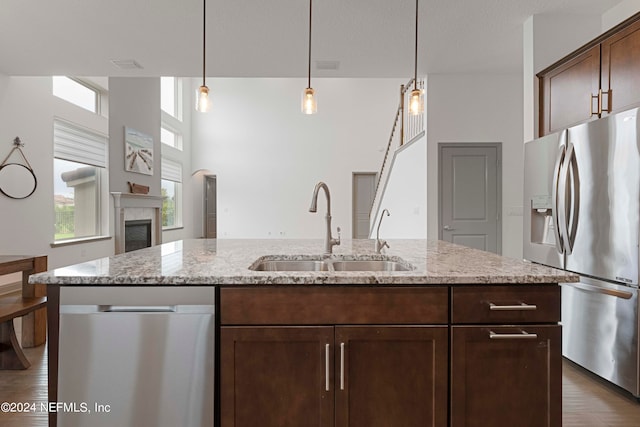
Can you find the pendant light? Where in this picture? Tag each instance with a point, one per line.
(309, 101)
(416, 99)
(203, 103)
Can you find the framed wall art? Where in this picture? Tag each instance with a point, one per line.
(138, 152)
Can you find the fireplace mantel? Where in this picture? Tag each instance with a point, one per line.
(124, 201)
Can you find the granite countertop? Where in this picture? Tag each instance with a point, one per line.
(227, 261)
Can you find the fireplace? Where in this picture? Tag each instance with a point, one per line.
(137, 234)
(136, 207)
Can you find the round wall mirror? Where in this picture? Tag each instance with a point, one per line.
(17, 181)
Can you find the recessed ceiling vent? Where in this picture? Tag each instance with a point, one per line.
(126, 64)
(327, 65)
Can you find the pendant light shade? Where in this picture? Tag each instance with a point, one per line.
(416, 98)
(416, 102)
(309, 101)
(203, 102)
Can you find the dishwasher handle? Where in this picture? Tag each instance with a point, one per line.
(137, 308)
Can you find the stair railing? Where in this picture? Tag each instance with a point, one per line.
(410, 127)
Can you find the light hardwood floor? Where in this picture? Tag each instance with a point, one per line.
(26, 386)
(587, 400)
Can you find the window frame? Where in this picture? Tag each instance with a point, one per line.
(101, 177)
(177, 134)
(97, 94)
(177, 98)
(178, 201)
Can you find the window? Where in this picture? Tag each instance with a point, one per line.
(171, 96)
(79, 177)
(171, 188)
(76, 92)
(170, 137)
(172, 129)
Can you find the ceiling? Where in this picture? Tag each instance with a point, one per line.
(268, 38)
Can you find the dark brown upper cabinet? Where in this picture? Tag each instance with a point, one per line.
(597, 79)
(620, 79)
(566, 92)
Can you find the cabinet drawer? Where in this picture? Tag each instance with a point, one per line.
(318, 305)
(502, 377)
(505, 304)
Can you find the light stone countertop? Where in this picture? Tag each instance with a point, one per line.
(227, 261)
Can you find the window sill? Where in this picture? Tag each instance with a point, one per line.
(180, 227)
(70, 242)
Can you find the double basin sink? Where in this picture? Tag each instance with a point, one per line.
(332, 264)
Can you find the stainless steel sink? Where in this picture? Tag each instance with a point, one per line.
(331, 264)
(291, 265)
(369, 265)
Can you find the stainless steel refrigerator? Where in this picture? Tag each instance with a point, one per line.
(582, 214)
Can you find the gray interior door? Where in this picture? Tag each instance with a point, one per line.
(364, 186)
(210, 207)
(470, 202)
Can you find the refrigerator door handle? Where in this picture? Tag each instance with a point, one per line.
(600, 290)
(574, 195)
(554, 199)
(564, 195)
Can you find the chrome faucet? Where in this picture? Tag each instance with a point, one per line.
(329, 241)
(380, 244)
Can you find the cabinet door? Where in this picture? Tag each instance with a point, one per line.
(565, 92)
(276, 376)
(508, 379)
(621, 68)
(391, 376)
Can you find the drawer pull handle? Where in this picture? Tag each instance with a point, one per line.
(326, 367)
(521, 336)
(341, 366)
(519, 307)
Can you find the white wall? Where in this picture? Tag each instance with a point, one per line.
(268, 156)
(27, 109)
(619, 13)
(479, 108)
(134, 103)
(405, 195)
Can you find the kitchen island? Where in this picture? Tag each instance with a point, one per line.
(460, 337)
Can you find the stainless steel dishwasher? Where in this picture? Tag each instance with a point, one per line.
(136, 356)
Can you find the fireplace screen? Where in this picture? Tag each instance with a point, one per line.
(137, 234)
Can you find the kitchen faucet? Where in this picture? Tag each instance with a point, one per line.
(329, 241)
(380, 244)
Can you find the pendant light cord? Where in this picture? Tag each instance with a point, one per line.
(204, 38)
(309, 69)
(415, 62)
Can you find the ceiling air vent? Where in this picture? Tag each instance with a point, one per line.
(327, 65)
(126, 64)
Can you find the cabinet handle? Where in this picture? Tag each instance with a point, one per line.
(520, 307)
(326, 367)
(521, 336)
(596, 96)
(341, 366)
(608, 109)
(599, 98)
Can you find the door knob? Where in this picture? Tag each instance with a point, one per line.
(448, 228)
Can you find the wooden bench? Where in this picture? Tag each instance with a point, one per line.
(28, 303)
(11, 306)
